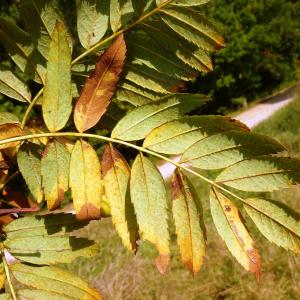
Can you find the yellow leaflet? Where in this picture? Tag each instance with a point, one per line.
(116, 173)
(190, 236)
(85, 181)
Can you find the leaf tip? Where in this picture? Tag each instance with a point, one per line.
(162, 263)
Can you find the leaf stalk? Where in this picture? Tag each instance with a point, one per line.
(116, 141)
(6, 269)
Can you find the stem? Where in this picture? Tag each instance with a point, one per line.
(94, 48)
(18, 210)
(6, 269)
(30, 107)
(11, 177)
(112, 140)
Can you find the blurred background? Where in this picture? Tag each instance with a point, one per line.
(262, 58)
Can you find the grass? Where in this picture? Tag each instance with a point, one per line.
(120, 276)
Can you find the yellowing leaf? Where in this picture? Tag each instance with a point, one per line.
(275, 222)
(55, 173)
(100, 86)
(148, 194)
(116, 173)
(54, 280)
(9, 131)
(57, 99)
(190, 236)
(85, 181)
(230, 227)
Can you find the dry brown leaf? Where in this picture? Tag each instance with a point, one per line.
(100, 86)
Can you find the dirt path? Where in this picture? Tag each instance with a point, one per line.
(251, 117)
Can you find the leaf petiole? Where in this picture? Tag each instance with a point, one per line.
(112, 140)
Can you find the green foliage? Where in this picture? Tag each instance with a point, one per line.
(136, 198)
(262, 50)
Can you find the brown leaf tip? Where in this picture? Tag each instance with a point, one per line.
(255, 263)
(162, 263)
(88, 212)
(177, 185)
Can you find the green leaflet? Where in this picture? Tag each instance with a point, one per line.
(177, 136)
(275, 222)
(8, 118)
(45, 239)
(55, 173)
(148, 194)
(13, 87)
(264, 174)
(54, 280)
(227, 148)
(151, 79)
(22, 52)
(187, 217)
(194, 27)
(116, 173)
(40, 17)
(143, 50)
(185, 51)
(135, 95)
(45, 225)
(230, 227)
(139, 122)
(85, 181)
(57, 98)
(92, 21)
(121, 12)
(5, 297)
(29, 163)
(45, 250)
(39, 294)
